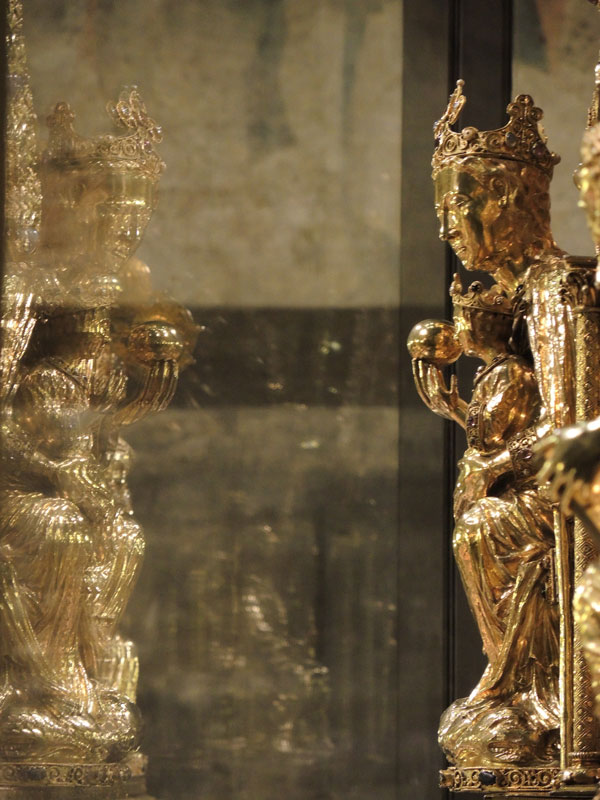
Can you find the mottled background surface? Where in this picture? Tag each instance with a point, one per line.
(282, 124)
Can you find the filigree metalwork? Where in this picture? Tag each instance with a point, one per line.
(513, 780)
(519, 140)
(134, 151)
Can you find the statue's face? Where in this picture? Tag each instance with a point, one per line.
(479, 331)
(471, 218)
(588, 181)
(101, 219)
(121, 216)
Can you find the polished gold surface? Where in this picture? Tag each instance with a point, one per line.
(520, 140)
(572, 462)
(93, 350)
(434, 341)
(518, 555)
(87, 348)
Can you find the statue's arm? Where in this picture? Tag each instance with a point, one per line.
(517, 457)
(510, 404)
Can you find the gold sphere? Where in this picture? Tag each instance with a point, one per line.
(154, 341)
(434, 340)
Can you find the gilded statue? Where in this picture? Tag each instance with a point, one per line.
(572, 454)
(503, 535)
(510, 543)
(88, 348)
(97, 358)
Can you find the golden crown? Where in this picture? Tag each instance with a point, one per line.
(133, 152)
(521, 139)
(493, 300)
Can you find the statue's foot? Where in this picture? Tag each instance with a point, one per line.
(54, 731)
(46, 733)
(494, 733)
(119, 725)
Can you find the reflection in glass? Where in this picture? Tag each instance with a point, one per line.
(265, 610)
(88, 350)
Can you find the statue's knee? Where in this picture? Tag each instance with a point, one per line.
(33, 523)
(67, 528)
(460, 538)
(128, 534)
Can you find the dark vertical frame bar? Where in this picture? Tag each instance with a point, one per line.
(450, 430)
(482, 56)
(3, 99)
(421, 471)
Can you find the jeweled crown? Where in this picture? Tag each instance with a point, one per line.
(521, 139)
(132, 152)
(493, 300)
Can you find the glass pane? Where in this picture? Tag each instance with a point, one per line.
(264, 615)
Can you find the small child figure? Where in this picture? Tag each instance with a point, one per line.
(502, 541)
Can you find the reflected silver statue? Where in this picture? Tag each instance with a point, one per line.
(88, 348)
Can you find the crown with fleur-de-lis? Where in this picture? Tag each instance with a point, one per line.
(521, 139)
(493, 300)
(131, 152)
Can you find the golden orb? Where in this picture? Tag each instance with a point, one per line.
(155, 341)
(434, 340)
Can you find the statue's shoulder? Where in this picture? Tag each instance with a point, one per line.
(548, 271)
(511, 371)
(546, 264)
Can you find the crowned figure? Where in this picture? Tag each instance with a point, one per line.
(517, 555)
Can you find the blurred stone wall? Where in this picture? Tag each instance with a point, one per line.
(281, 127)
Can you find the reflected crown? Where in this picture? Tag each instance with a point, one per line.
(477, 297)
(132, 152)
(521, 139)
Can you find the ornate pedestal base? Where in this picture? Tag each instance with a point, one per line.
(524, 782)
(74, 781)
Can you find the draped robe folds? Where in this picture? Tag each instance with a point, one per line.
(503, 542)
(66, 575)
(504, 546)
